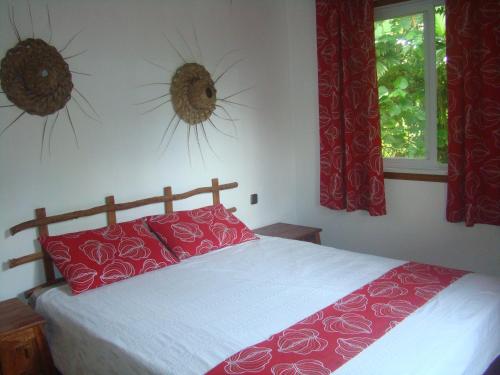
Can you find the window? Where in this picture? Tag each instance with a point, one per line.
(411, 70)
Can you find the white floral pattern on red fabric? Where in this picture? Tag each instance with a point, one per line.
(392, 324)
(302, 367)
(312, 318)
(253, 359)
(247, 235)
(98, 251)
(348, 324)
(388, 289)
(133, 248)
(73, 235)
(394, 309)
(204, 247)
(301, 341)
(142, 230)
(351, 172)
(112, 232)
(151, 265)
(180, 253)
(388, 275)
(352, 346)
(79, 276)
(85, 258)
(117, 270)
(222, 214)
(352, 302)
(59, 253)
(417, 267)
(428, 291)
(443, 271)
(163, 219)
(473, 50)
(332, 336)
(202, 216)
(187, 232)
(199, 231)
(224, 235)
(417, 278)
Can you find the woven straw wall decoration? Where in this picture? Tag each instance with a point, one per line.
(37, 79)
(194, 98)
(193, 93)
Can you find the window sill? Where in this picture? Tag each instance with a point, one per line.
(381, 3)
(416, 177)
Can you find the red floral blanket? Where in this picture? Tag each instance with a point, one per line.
(325, 340)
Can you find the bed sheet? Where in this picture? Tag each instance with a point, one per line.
(187, 318)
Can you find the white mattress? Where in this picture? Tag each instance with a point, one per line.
(187, 318)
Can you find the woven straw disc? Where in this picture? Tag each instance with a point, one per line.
(193, 93)
(35, 77)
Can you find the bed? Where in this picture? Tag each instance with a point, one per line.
(191, 316)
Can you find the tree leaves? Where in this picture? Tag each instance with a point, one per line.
(400, 70)
(401, 82)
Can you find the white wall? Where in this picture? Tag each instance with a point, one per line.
(415, 226)
(276, 153)
(120, 156)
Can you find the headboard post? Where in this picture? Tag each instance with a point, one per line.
(111, 213)
(169, 204)
(215, 191)
(43, 231)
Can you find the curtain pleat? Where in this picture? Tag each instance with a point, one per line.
(351, 170)
(473, 64)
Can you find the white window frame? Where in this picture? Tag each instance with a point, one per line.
(430, 164)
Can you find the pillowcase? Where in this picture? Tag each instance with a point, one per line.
(196, 232)
(92, 258)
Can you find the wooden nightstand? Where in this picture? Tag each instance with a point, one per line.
(23, 349)
(291, 231)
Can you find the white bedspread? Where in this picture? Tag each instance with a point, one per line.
(187, 318)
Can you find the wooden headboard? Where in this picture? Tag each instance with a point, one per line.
(110, 207)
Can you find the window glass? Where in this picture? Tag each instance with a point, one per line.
(399, 46)
(442, 95)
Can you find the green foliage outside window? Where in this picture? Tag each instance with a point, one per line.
(442, 94)
(399, 46)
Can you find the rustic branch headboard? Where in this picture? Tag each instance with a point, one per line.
(42, 221)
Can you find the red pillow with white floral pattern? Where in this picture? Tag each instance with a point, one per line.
(196, 232)
(92, 258)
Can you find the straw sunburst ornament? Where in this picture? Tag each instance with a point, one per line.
(193, 93)
(36, 78)
(194, 98)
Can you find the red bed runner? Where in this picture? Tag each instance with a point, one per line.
(325, 340)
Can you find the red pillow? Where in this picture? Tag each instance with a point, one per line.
(196, 232)
(92, 258)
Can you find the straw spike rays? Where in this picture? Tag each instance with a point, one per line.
(36, 78)
(193, 96)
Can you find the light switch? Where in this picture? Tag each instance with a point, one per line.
(254, 198)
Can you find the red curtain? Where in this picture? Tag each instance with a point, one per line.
(473, 63)
(351, 175)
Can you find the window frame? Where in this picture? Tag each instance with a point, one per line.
(430, 164)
